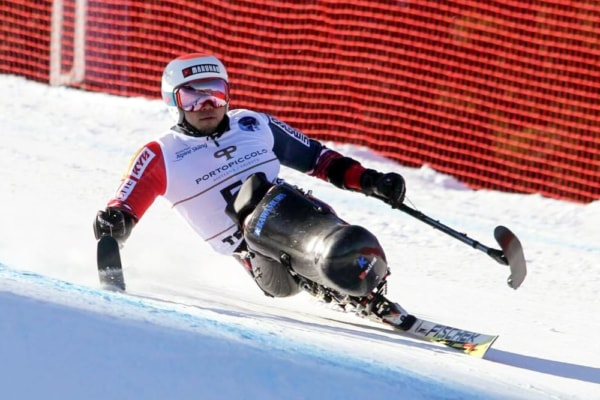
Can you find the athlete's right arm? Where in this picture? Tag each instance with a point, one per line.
(144, 180)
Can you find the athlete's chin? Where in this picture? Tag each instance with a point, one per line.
(207, 126)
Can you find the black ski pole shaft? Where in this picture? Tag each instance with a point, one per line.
(497, 255)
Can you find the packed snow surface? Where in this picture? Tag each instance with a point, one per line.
(197, 327)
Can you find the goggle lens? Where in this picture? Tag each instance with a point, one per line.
(194, 95)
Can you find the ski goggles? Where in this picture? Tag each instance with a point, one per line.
(194, 95)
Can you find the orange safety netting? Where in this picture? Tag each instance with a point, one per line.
(502, 95)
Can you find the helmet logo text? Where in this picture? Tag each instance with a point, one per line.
(200, 69)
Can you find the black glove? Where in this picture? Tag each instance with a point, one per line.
(389, 187)
(114, 222)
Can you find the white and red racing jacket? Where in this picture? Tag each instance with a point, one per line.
(199, 175)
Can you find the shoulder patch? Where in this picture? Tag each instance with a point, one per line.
(299, 136)
(248, 124)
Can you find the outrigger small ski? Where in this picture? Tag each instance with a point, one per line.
(110, 270)
(510, 255)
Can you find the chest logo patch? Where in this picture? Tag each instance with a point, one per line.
(226, 152)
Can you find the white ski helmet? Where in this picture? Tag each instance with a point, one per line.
(188, 68)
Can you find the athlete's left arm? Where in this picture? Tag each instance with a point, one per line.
(297, 151)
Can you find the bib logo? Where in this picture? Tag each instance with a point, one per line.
(180, 154)
(226, 152)
(232, 164)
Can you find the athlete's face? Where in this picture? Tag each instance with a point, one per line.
(207, 119)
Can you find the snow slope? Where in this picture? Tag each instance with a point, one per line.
(61, 157)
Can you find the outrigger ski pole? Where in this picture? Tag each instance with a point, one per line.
(511, 253)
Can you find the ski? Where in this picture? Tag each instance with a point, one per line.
(469, 342)
(110, 270)
(381, 310)
(513, 252)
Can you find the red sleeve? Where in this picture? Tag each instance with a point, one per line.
(352, 177)
(143, 182)
(352, 170)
